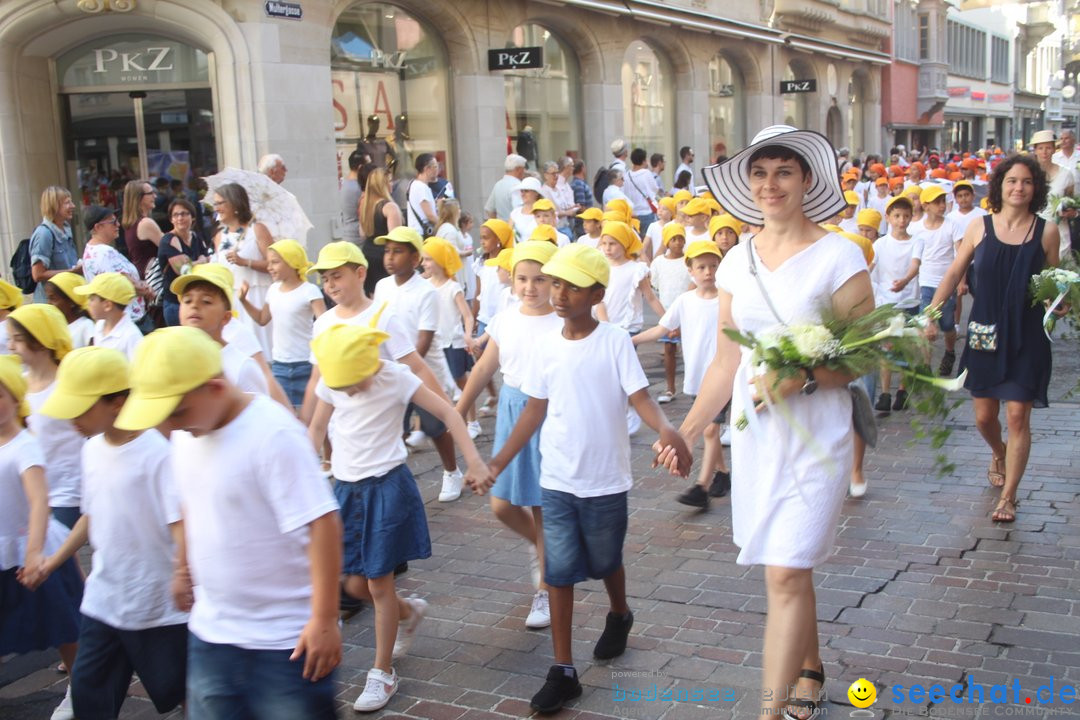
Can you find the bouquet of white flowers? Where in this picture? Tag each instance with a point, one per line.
(1056, 287)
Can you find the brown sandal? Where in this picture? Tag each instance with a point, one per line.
(1005, 512)
(996, 477)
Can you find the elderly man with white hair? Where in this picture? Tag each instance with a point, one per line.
(504, 195)
(273, 166)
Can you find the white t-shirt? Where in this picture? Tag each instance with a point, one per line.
(62, 445)
(697, 317)
(463, 242)
(850, 224)
(242, 371)
(584, 448)
(963, 220)
(490, 287)
(670, 278)
(523, 223)
(130, 496)
(915, 227)
(693, 236)
(415, 302)
(451, 330)
(587, 239)
(124, 337)
(640, 184)
(507, 300)
(878, 203)
(366, 432)
(622, 299)
(418, 193)
(935, 250)
(17, 456)
(614, 192)
(249, 490)
(892, 258)
(292, 320)
(654, 238)
(81, 329)
(397, 346)
(516, 335)
(241, 337)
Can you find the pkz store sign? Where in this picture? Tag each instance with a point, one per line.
(797, 86)
(131, 60)
(521, 58)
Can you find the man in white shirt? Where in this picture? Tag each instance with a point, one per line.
(504, 195)
(686, 163)
(619, 153)
(1066, 157)
(421, 203)
(640, 189)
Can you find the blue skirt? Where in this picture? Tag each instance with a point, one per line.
(384, 521)
(519, 482)
(45, 618)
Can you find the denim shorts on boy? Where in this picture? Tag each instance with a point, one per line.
(293, 378)
(430, 425)
(583, 537)
(227, 682)
(45, 618)
(459, 361)
(519, 482)
(67, 516)
(668, 341)
(384, 521)
(947, 323)
(107, 658)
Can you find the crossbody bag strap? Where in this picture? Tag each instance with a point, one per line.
(760, 284)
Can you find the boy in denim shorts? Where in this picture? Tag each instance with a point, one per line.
(580, 380)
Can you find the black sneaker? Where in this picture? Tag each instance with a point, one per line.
(720, 485)
(612, 642)
(695, 497)
(946, 367)
(884, 403)
(558, 690)
(901, 400)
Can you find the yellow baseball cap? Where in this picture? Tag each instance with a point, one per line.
(169, 363)
(347, 354)
(47, 324)
(672, 229)
(961, 184)
(591, 214)
(10, 296)
(719, 222)
(545, 233)
(669, 204)
(682, 195)
(579, 265)
(912, 190)
(12, 378)
(294, 255)
(865, 245)
(536, 250)
(444, 254)
(402, 234)
(869, 217)
(904, 199)
(702, 247)
(625, 235)
(851, 197)
(543, 204)
(66, 282)
(85, 376)
(111, 286)
(214, 273)
(334, 255)
(503, 260)
(714, 207)
(502, 230)
(697, 206)
(931, 193)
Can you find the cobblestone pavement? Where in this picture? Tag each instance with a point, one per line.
(922, 588)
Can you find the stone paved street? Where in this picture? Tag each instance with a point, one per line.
(923, 588)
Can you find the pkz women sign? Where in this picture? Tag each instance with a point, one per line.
(125, 60)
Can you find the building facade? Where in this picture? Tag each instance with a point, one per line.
(186, 87)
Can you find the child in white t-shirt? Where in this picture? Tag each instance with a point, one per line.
(107, 297)
(698, 213)
(11, 297)
(129, 621)
(513, 336)
(724, 230)
(892, 259)
(654, 236)
(670, 279)
(60, 293)
(262, 534)
(292, 304)
(694, 314)
(581, 378)
(450, 220)
(591, 221)
(629, 279)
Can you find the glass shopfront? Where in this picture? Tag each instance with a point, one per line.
(648, 101)
(390, 88)
(794, 103)
(727, 109)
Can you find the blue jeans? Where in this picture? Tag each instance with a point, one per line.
(226, 682)
(293, 378)
(172, 313)
(583, 537)
(646, 221)
(947, 323)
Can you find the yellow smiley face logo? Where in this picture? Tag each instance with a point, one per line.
(862, 693)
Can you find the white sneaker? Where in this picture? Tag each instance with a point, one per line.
(725, 437)
(540, 614)
(665, 398)
(63, 711)
(378, 690)
(406, 631)
(416, 438)
(452, 481)
(474, 429)
(534, 566)
(857, 491)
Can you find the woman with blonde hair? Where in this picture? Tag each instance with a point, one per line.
(447, 228)
(52, 248)
(141, 233)
(379, 214)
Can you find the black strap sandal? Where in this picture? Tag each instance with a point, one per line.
(812, 707)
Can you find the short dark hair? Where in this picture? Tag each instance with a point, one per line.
(207, 285)
(655, 159)
(184, 203)
(119, 394)
(638, 156)
(422, 161)
(683, 181)
(579, 165)
(778, 152)
(1042, 185)
(684, 151)
(356, 159)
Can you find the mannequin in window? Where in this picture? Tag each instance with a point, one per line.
(402, 142)
(526, 146)
(378, 149)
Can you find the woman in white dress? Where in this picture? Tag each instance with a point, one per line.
(787, 493)
(241, 246)
(1062, 184)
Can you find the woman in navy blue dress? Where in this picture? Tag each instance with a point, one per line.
(1012, 363)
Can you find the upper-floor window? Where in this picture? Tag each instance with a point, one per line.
(924, 37)
(999, 59)
(906, 32)
(966, 50)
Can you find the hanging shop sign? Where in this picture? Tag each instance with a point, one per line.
(797, 86)
(131, 60)
(518, 58)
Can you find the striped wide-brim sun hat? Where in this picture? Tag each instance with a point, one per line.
(729, 181)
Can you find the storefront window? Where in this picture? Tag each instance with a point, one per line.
(795, 103)
(726, 108)
(541, 118)
(389, 77)
(648, 102)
